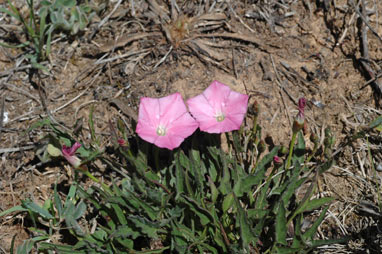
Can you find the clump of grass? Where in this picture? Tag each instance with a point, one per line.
(40, 24)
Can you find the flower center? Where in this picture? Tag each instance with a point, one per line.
(220, 117)
(161, 130)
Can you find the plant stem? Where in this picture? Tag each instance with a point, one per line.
(294, 135)
(104, 186)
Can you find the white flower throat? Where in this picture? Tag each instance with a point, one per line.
(161, 130)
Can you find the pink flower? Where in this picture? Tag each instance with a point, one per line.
(218, 109)
(165, 122)
(68, 153)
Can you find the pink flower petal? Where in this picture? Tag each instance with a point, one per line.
(236, 103)
(183, 127)
(149, 110)
(218, 100)
(171, 108)
(199, 106)
(216, 94)
(68, 153)
(165, 122)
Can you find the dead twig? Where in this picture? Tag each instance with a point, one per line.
(365, 60)
(16, 149)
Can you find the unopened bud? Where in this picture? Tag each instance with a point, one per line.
(277, 160)
(122, 142)
(299, 121)
(314, 138)
(256, 108)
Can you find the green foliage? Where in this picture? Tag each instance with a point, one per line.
(40, 25)
(202, 200)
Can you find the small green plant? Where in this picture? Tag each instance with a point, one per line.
(200, 200)
(40, 25)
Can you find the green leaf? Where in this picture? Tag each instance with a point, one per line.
(214, 190)
(225, 186)
(245, 229)
(179, 175)
(314, 204)
(18, 208)
(257, 213)
(204, 215)
(281, 224)
(227, 202)
(79, 211)
(196, 167)
(124, 231)
(21, 45)
(120, 215)
(27, 245)
(57, 201)
(53, 151)
(286, 250)
(375, 123)
(148, 228)
(309, 234)
(148, 209)
(292, 186)
(317, 243)
(246, 183)
(37, 209)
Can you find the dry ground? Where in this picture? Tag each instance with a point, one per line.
(274, 50)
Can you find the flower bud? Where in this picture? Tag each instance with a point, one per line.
(299, 121)
(256, 108)
(277, 160)
(68, 153)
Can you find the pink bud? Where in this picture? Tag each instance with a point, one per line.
(277, 160)
(68, 153)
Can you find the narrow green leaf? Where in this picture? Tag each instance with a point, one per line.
(281, 224)
(309, 234)
(204, 215)
(17, 208)
(225, 185)
(79, 211)
(37, 209)
(148, 228)
(120, 215)
(179, 175)
(375, 122)
(246, 183)
(292, 186)
(314, 204)
(317, 243)
(245, 227)
(286, 250)
(214, 190)
(57, 201)
(21, 45)
(227, 202)
(257, 213)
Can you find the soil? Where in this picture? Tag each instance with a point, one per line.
(274, 50)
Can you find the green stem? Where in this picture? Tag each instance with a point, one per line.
(315, 148)
(294, 135)
(254, 129)
(104, 186)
